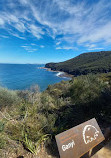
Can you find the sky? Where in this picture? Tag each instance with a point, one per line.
(42, 31)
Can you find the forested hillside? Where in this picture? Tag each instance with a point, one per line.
(93, 62)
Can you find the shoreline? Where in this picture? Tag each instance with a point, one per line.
(62, 73)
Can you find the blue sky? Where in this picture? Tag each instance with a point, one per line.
(41, 31)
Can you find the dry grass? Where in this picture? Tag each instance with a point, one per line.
(19, 152)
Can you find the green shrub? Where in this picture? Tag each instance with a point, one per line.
(2, 141)
(14, 130)
(1, 126)
(8, 97)
(86, 89)
(31, 95)
(34, 147)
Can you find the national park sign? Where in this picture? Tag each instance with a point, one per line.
(78, 140)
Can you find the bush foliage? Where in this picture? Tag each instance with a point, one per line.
(33, 119)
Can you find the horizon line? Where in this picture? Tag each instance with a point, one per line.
(23, 63)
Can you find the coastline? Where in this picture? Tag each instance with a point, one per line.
(60, 73)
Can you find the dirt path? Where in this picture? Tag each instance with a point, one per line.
(105, 152)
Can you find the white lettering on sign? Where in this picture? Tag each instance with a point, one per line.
(68, 146)
(90, 133)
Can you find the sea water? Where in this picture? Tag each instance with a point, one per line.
(23, 76)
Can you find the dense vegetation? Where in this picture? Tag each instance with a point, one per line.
(85, 63)
(29, 120)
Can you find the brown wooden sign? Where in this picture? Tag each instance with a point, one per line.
(78, 140)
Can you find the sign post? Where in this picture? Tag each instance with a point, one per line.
(78, 140)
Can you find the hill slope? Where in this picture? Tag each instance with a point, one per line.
(93, 62)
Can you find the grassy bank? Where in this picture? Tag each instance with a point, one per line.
(29, 120)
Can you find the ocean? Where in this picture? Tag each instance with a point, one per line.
(23, 76)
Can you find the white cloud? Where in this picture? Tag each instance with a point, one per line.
(32, 47)
(29, 48)
(24, 1)
(4, 36)
(24, 46)
(16, 35)
(1, 21)
(20, 27)
(77, 21)
(95, 49)
(36, 31)
(90, 45)
(42, 46)
(103, 33)
(58, 43)
(33, 44)
(11, 18)
(65, 47)
(14, 22)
